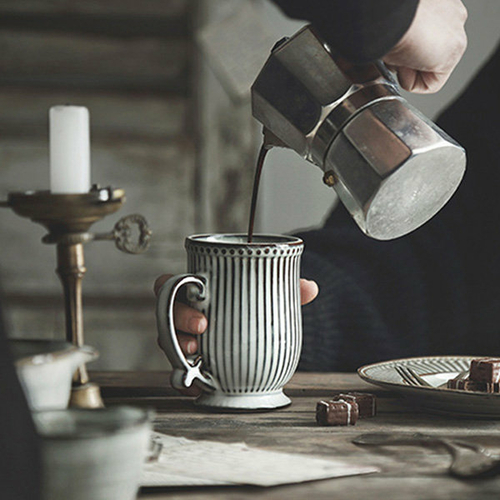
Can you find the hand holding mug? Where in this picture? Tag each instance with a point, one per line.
(247, 296)
(191, 323)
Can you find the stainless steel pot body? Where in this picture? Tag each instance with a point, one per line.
(391, 166)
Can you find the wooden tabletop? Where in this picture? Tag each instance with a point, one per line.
(410, 472)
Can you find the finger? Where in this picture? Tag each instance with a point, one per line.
(160, 281)
(189, 320)
(188, 343)
(308, 291)
(429, 82)
(407, 78)
(421, 82)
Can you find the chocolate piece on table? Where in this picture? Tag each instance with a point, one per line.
(472, 385)
(336, 412)
(485, 370)
(367, 403)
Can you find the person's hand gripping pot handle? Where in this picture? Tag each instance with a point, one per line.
(429, 51)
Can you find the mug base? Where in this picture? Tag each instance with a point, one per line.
(267, 401)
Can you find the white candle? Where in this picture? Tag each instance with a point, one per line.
(69, 149)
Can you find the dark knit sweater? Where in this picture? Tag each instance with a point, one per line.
(359, 30)
(435, 291)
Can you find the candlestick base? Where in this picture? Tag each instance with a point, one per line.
(86, 396)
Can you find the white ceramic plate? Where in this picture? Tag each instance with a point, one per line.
(436, 370)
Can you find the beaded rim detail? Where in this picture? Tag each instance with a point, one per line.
(263, 245)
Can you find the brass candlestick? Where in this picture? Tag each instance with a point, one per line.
(68, 218)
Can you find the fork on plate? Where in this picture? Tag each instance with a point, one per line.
(411, 377)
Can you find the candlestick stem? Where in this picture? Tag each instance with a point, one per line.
(71, 269)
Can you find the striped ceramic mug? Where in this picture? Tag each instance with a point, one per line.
(250, 294)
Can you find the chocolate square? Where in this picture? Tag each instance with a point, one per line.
(367, 403)
(337, 412)
(472, 385)
(485, 370)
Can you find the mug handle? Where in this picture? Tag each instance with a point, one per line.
(185, 372)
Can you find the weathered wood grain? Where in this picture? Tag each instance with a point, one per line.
(158, 184)
(152, 383)
(123, 331)
(167, 8)
(413, 472)
(60, 60)
(161, 128)
(115, 117)
(119, 315)
(374, 487)
(165, 25)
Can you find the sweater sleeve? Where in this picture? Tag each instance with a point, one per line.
(359, 30)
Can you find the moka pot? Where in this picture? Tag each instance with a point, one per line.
(391, 167)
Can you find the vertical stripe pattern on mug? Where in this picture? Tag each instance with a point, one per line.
(254, 335)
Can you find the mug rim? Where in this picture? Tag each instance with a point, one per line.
(273, 240)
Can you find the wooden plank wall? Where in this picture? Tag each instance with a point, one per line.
(185, 165)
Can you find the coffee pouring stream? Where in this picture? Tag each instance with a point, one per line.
(391, 166)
